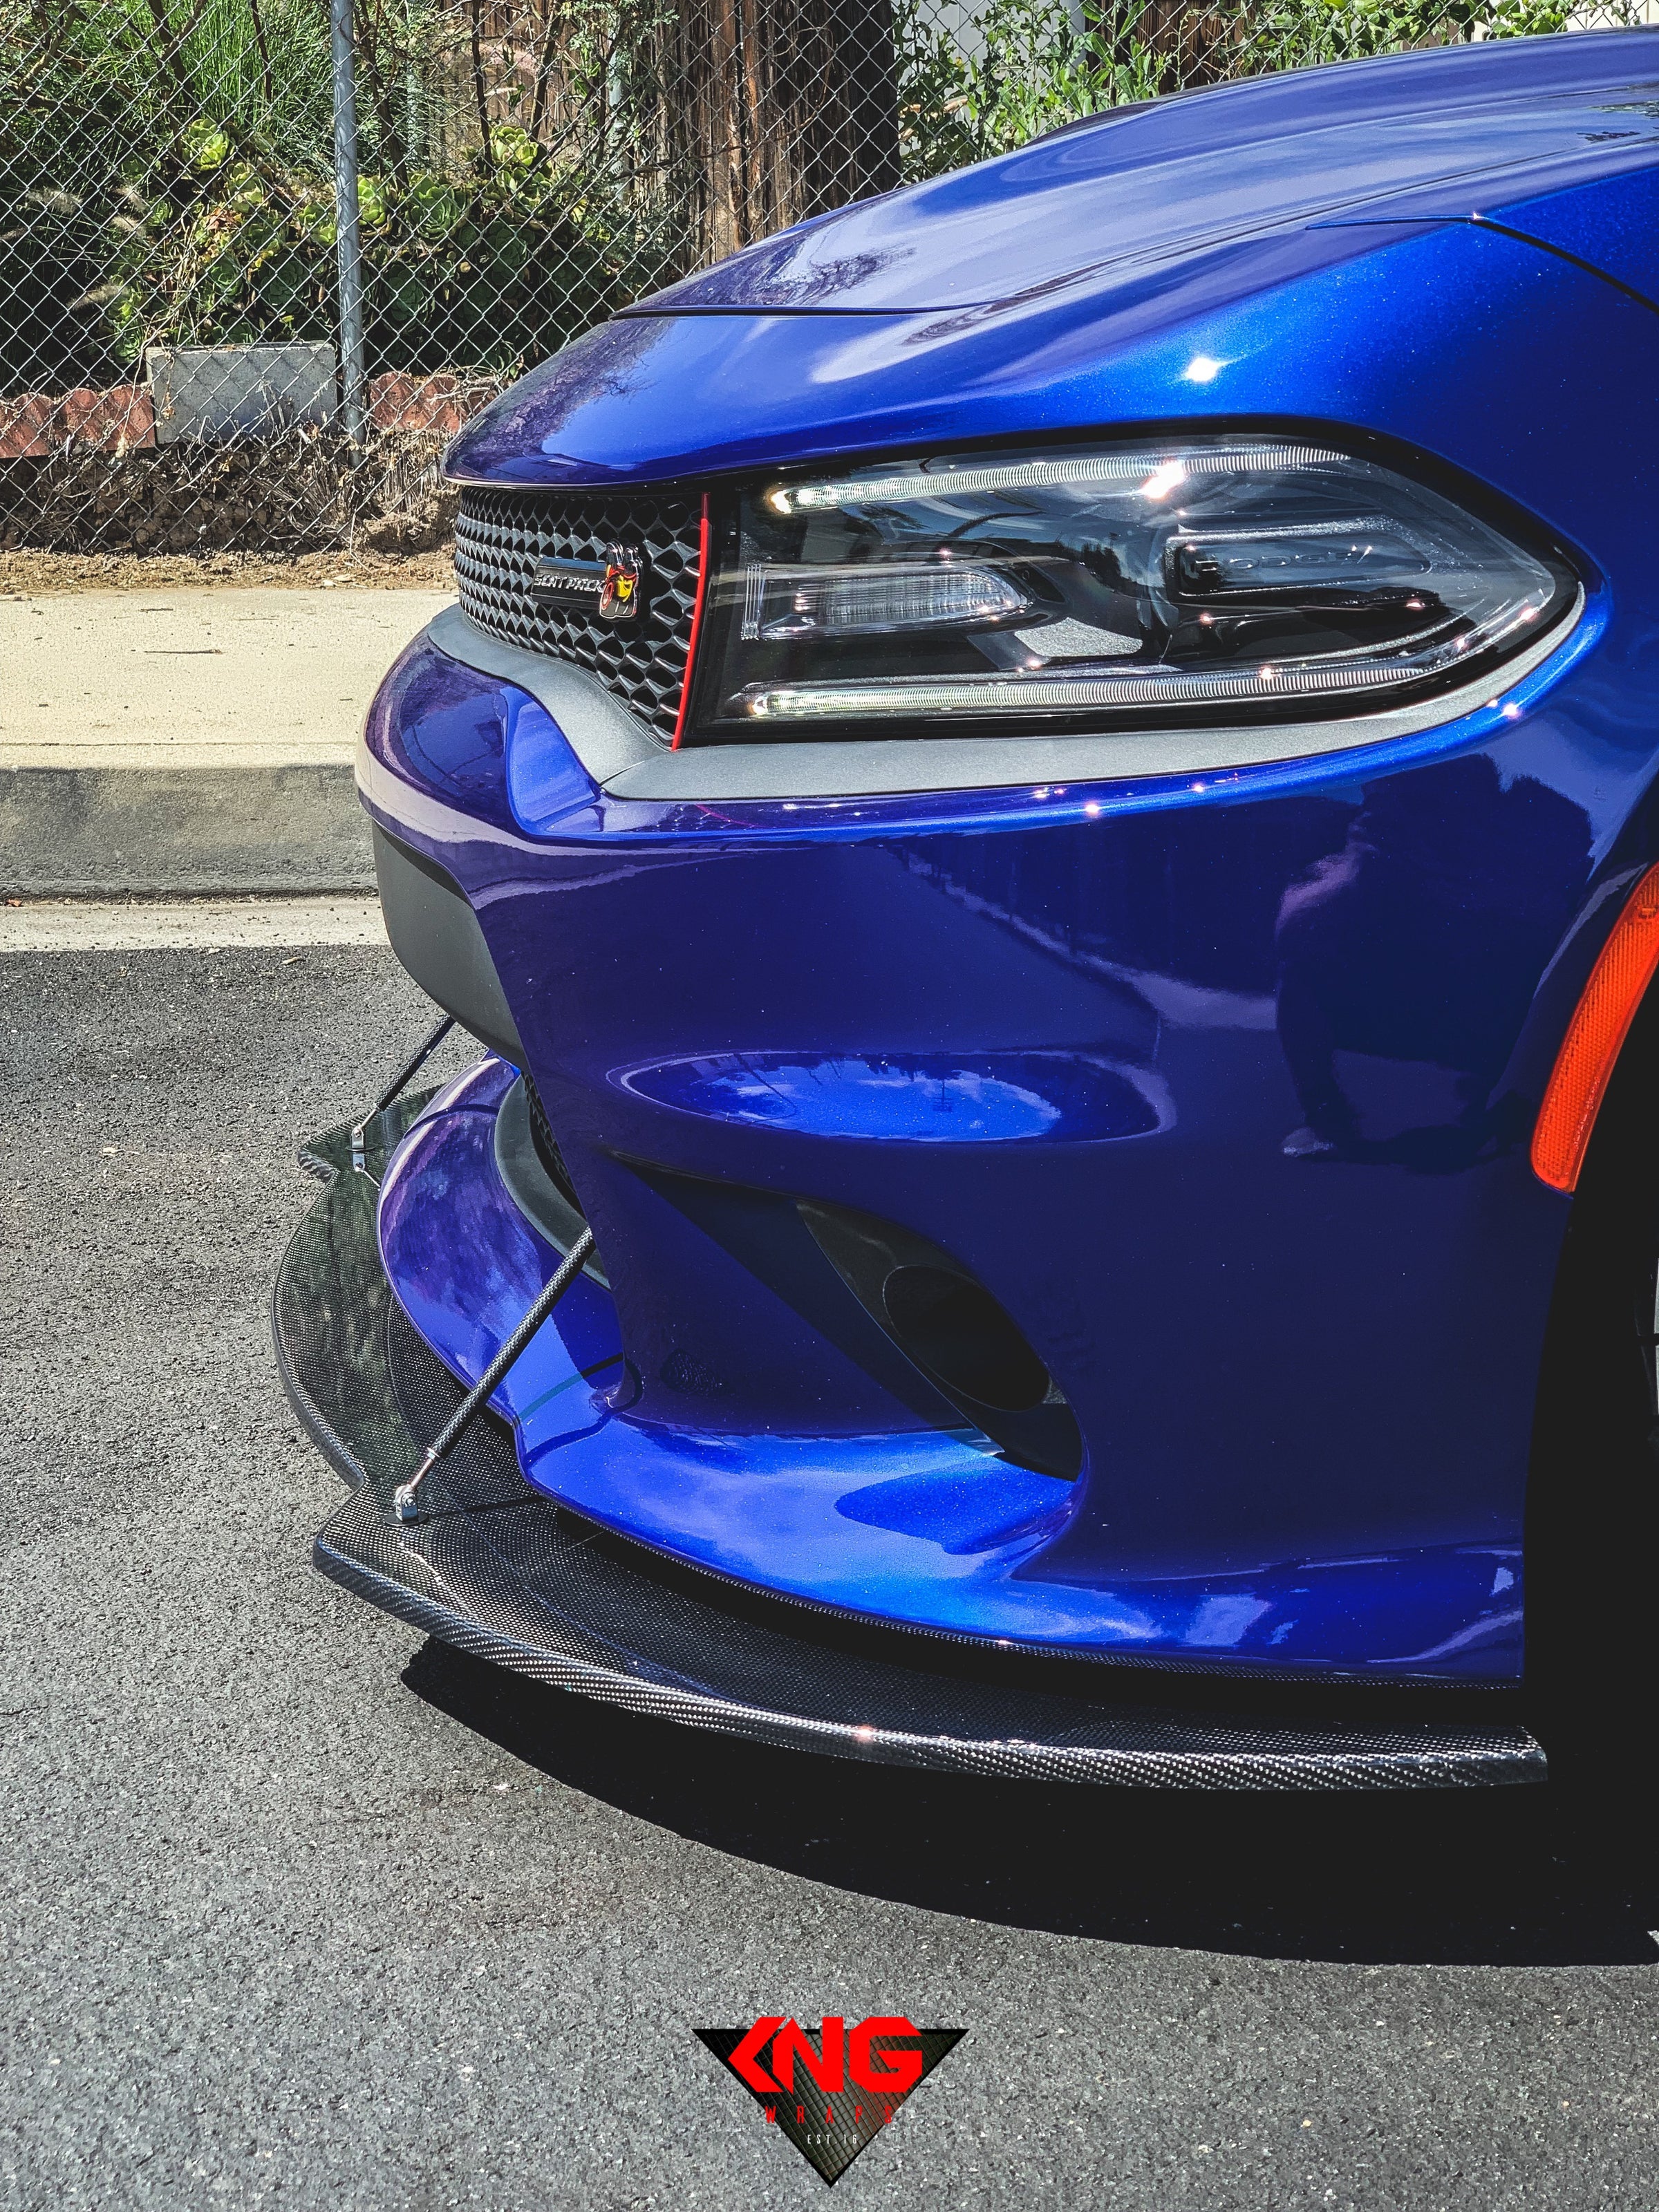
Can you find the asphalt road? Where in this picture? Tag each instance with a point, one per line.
(301, 1910)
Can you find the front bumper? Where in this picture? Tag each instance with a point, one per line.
(497, 1567)
(1057, 1037)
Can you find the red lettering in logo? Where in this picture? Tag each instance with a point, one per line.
(887, 2072)
(829, 2071)
(744, 2061)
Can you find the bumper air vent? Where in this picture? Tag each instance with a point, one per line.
(949, 1326)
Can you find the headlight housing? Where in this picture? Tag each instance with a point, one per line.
(1196, 579)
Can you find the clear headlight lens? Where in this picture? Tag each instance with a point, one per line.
(780, 605)
(1202, 579)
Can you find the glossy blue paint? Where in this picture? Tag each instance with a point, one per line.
(1383, 330)
(913, 1525)
(1064, 1033)
(1610, 225)
(1471, 126)
(923, 1098)
(460, 1256)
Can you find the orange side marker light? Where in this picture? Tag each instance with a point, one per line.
(1590, 1051)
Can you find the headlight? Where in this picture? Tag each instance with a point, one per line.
(1199, 580)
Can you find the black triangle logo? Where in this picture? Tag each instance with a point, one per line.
(833, 2092)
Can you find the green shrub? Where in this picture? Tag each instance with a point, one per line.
(1033, 67)
(166, 165)
(494, 267)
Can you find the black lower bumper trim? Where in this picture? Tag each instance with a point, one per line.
(437, 938)
(500, 1570)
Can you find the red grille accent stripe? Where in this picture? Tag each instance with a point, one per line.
(696, 624)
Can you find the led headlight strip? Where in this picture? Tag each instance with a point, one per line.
(984, 694)
(1147, 686)
(1157, 473)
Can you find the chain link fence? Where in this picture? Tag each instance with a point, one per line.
(193, 357)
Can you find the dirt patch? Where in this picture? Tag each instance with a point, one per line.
(32, 575)
(302, 490)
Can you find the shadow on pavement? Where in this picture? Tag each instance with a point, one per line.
(1562, 1874)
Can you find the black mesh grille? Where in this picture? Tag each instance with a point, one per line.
(499, 536)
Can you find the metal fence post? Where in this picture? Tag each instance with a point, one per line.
(347, 242)
(524, 191)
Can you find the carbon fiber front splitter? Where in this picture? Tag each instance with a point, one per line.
(499, 1568)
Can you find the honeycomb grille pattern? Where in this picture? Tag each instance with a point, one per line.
(501, 535)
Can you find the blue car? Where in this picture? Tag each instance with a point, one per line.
(1041, 792)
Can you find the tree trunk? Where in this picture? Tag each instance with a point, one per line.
(781, 109)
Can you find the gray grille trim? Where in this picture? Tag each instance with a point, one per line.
(606, 738)
(622, 756)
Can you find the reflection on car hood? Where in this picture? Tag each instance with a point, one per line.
(1531, 114)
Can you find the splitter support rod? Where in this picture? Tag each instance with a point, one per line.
(400, 1082)
(404, 1498)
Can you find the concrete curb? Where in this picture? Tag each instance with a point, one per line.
(112, 832)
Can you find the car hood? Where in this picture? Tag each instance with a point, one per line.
(1424, 134)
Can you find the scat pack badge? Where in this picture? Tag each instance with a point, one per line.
(830, 2101)
(622, 592)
